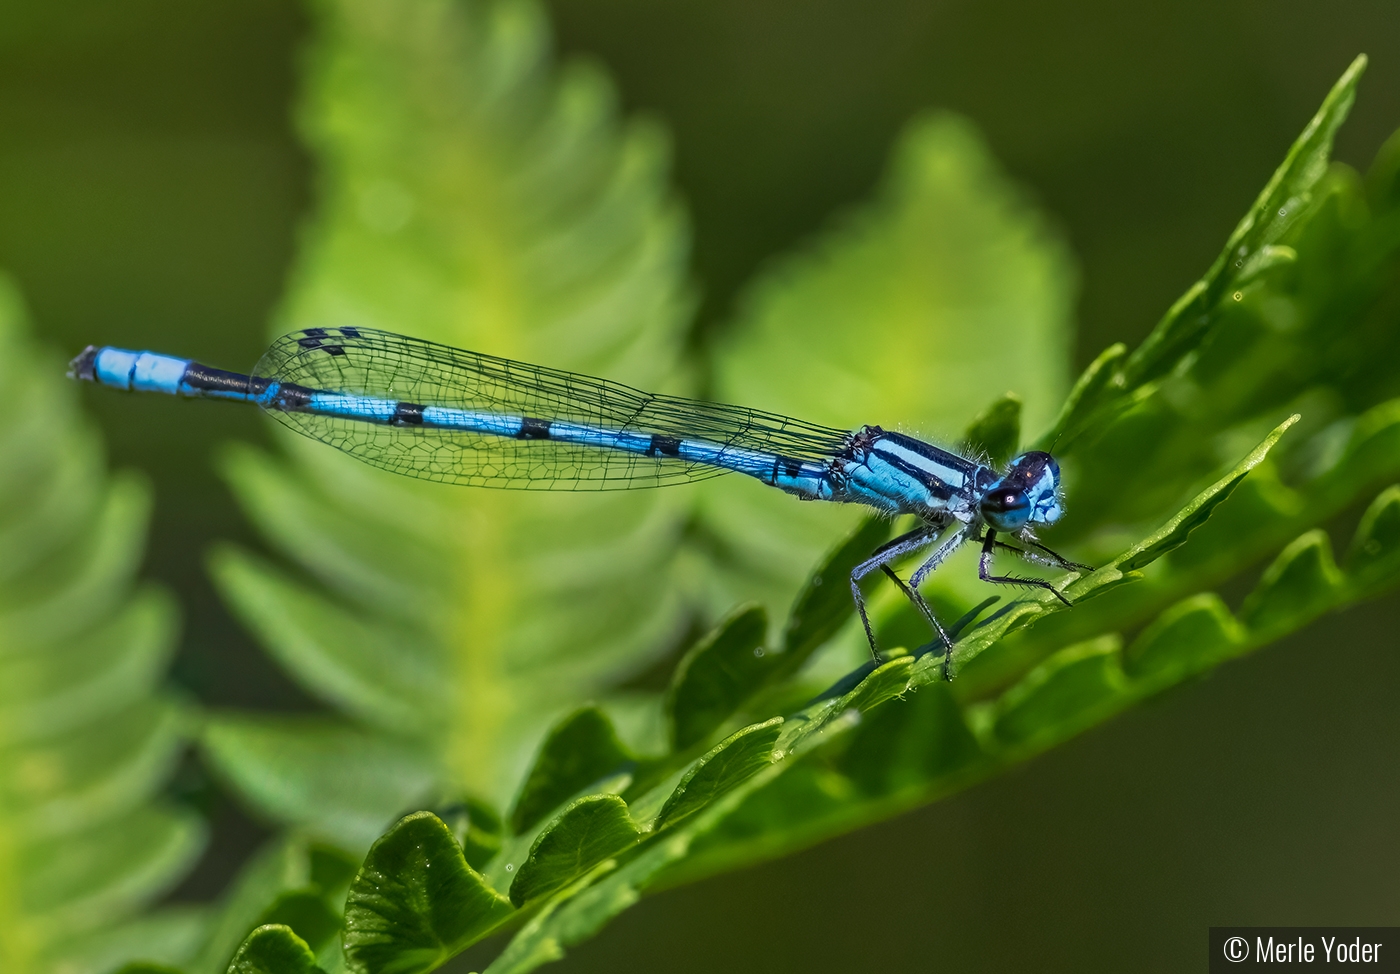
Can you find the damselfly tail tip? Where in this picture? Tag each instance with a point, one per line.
(84, 364)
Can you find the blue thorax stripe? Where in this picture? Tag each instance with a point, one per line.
(931, 465)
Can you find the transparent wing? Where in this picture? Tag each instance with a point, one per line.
(378, 364)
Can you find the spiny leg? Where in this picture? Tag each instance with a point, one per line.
(939, 556)
(913, 596)
(1060, 560)
(989, 544)
(919, 602)
(883, 555)
(1034, 557)
(950, 544)
(924, 531)
(1055, 559)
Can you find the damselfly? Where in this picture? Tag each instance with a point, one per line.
(438, 413)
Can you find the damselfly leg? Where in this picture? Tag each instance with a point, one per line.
(984, 567)
(920, 537)
(950, 544)
(1060, 560)
(905, 544)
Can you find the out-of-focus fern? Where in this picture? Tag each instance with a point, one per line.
(88, 734)
(473, 194)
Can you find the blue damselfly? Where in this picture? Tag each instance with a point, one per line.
(439, 413)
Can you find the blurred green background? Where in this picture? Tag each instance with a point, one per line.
(150, 192)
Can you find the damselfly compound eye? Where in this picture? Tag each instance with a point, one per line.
(1006, 510)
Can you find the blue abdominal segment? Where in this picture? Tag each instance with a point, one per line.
(150, 372)
(803, 479)
(139, 371)
(367, 409)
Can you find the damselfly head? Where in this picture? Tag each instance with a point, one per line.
(1028, 494)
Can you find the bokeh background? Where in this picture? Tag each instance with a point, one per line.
(151, 186)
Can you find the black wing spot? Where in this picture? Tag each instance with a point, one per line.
(332, 349)
(314, 332)
(312, 342)
(664, 446)
(350, 332)
(533, 429)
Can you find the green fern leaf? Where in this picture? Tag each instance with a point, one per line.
(1374, 558)
(1257, 246)
(88, 732)
(274, 949)
(588, 831)
(405, 917)
(736, 803)
(1257, 249)
(739, 756)
(579, 751)
(717, 675)
(1193, 634)
(288, 764)
(1074, 681)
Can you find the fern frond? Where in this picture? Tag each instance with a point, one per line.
(472, 193)
(88, 731)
